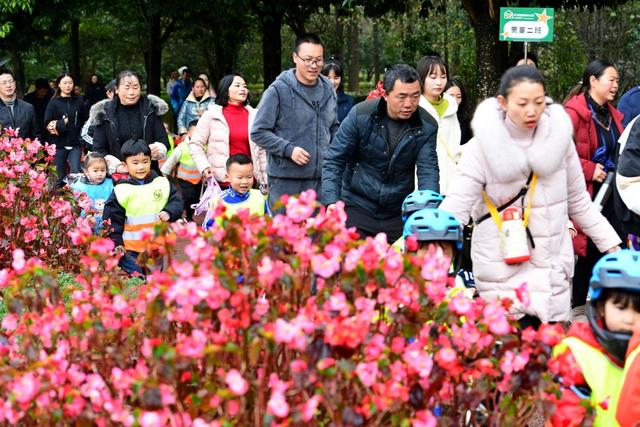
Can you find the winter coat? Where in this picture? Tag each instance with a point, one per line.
(179, 93)
(627, 197)
(493, 162)
(75, 109)
(629, 105)
(586, 139)
(209, 145)
(23, 118)
(448, 144)
(287, 118)
(106, 139)
(189, 111)
(360, 169)
(345, 104)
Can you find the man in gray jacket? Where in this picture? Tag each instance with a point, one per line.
(296, 121)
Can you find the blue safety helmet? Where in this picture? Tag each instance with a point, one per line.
(619, 270)
(420, 199)
(433, 225)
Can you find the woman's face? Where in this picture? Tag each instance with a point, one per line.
(238, 91)
(129, 90)
(524, 104)
(456, 93)
(66, 86)
(604, 88)
(199, 89)
(335, 79)
(434, 83)
(205, 78)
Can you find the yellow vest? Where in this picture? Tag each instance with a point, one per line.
(187, 170)
(602, 375)
(142, 204)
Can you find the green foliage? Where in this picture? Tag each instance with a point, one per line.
(8, 7)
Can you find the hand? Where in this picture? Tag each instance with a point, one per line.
(155, 151)
(300, 156)
(599, 173)
(66, 119)
(51, 127)
(613, 249)
(122, 168)
(208, 172)
(164, 216)
(119, 250)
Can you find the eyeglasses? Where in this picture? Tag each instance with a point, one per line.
(7, 82)
(308, 62)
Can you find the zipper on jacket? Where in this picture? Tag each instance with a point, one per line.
(386, 175)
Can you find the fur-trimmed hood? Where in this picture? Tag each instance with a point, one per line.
(552, 139)
(106, 108)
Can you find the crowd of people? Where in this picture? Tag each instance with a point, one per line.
(543, 189)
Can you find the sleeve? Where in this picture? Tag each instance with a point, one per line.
(343, 149)
(588, 167)
(117, 215)
(199, 140)
(174, 205)
(182, 119)
(582, 211)
(100, 144)
(262, 131)
(171, 163)
(175, 98)
(33, 124)
(51, 114)
(468, 184)
(159, 132)
(427, 165)
(628, 412)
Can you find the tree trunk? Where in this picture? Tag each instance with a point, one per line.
(354, 56)
(271, 21)
(339, 49)
(74, 43)
(153, 57)
(377, 68)
(18, 69)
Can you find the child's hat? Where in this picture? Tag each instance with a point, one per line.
(420, 199)
(432, 225)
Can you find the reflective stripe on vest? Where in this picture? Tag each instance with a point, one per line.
(142, 204)
(187, 169)
(602, 375)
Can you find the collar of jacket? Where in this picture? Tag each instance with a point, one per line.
(288, 77)
(579, 104)
(192, 97)
(153, 175)
(105, 109)
(380, 113)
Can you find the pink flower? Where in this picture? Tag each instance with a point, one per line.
(236, 383)
(150, 419)
(325, 266)
(460, 304)
(367, 373)
(277, 405)
(424, 419)
(495, 317)
(522, 293)
(25, 388)
(290, 334)
(310, 407)
(393, 266)
(18, 263)
(192, 346)
(101, 246)
(10, 322)
(301, 207)
(418, 360)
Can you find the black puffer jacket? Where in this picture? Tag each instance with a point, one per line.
(360, 169)
(76, 111)
(106, 135)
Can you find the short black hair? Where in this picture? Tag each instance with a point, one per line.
(222, 96)
(307, 38)
(241, 159)
(515, 75)
(133, 147)
(42, 83)
(5, 70)
(518, 55)
(596, 68)
(192, 123)
(129, 74)
(332, 64)
(111, 86)
(403, 72)
(620, 297)
(90, 157)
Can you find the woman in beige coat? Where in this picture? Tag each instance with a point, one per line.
(517, 134)
(223, 130)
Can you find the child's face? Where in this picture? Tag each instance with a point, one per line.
(447, 248)
(190, 131)
(96, 171)
(240, 177)
(618, 318)
(139, 166)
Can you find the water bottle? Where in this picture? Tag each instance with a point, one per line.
(604, 192)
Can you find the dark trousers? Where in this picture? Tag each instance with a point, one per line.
(369, 226)
(281, 186)
(190, 196)
(128, 263)
(62, 156)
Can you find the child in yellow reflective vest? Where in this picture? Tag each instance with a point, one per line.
(138, 203)
(628, 413)
(240, 194)
(599, 347)
(182, 165)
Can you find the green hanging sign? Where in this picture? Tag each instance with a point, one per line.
(526, 24)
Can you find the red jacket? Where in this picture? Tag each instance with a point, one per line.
(628, 413)
(585, 136)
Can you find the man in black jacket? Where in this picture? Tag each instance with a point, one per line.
(14, 112)
(372, 162)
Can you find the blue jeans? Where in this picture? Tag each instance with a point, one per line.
(62, 155)
(128, 263)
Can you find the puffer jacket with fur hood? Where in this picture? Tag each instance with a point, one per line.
(209, 145)
(496, 163)
(106, 139)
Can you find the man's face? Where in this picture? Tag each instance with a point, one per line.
(7, 86)
(402, 100)
(309, 60)
(186, 76)
(42, 92)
